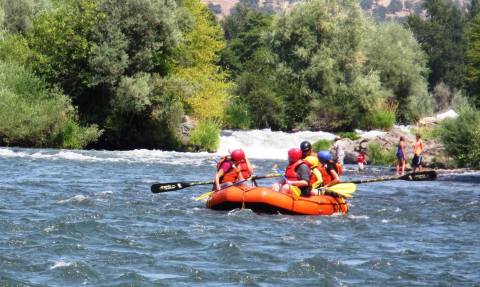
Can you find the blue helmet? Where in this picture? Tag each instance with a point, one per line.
(324, 156)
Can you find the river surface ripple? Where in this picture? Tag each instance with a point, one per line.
(88, 218)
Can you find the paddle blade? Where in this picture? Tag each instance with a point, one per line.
(170, 186)
(203, 196)
(420, 176)
(344, 187)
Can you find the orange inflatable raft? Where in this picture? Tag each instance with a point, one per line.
(266, 200)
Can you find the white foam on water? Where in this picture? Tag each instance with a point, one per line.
(358, 216)
(76, 198)
(104, 193)
(267, 144)
(60, 264)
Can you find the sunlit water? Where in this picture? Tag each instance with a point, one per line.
(88, 218)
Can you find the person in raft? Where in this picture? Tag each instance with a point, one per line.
(361, 160)
(232, 169)
(417, 153)
(328, 168)
(401, 156)
(306, 148)
(296, 174)
(316, 179)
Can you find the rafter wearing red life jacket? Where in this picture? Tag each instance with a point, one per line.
(232, 175)
(290, 171)
(325, 168)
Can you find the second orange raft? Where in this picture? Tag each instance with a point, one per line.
(266, 200)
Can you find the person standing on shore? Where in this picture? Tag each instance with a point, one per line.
(417, 153)
(339, 152)
(401, 156)
(361, 160)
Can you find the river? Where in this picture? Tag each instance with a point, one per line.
(88, 218)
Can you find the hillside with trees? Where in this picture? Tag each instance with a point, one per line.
(168, 74)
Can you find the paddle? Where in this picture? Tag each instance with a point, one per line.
(414, 176)
(343, 189)
(171, 186)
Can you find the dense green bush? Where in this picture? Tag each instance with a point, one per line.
(33, 115)
(205, 136)
(383, 120)
(322, 145)
(376, 154)
(461, 138)
(237, 116)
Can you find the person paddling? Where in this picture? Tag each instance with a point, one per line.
(328, 168)
(401, 156)
(417, 153)
(296, 174)
(316, 179)
(232, 169)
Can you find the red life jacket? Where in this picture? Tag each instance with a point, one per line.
(290, 172)
(232, 175)
(327, 177)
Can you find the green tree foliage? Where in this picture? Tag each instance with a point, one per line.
(321, 70)
(461, 137)
(441, 36)
(31, 114)
(18, 14)
(245, 31)
(197, 64)
(377, 155)
(133, 66)
(393, 51)
(472, 78)
(252, 65)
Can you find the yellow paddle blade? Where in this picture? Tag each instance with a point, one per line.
(274, 167)
(295, 190)
(342, 194)
(344, 187)
(203, 196)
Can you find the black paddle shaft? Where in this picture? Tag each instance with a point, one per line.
(171, 186)
(417, 176)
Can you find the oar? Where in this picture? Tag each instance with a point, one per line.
(414, 176)
(343, 189)
(171, 186)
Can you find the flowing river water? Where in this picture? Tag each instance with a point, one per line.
(88, 218)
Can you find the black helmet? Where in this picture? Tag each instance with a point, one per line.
(305, 146)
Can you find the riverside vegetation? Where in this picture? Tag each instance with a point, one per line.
(122, 74)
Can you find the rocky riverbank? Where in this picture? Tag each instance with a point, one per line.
(434, 155)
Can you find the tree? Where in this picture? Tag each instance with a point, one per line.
(442, 38)
(197, 64)
(19, 14)
(89, 47)
(472, 78)
(402, 65)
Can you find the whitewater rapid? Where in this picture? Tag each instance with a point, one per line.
(257, 144)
